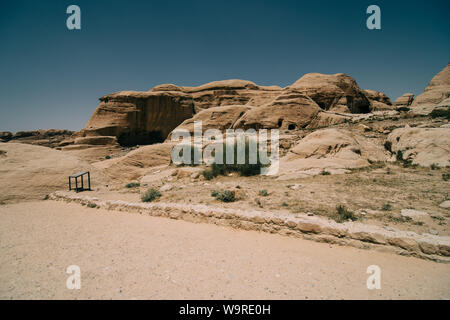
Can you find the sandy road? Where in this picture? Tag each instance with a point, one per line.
(129, 256)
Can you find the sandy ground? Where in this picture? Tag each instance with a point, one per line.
(129, 256)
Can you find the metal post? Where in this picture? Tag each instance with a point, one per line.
(82, 183)
(76, 183)
(89, 180)
(70, 186)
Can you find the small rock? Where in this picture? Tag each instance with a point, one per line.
(296, 186)
(165, 187)
(195, 175)
(445, 204)
(433, 232)
(413, 214)
(310, 214)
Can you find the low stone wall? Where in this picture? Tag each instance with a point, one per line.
(353, 234)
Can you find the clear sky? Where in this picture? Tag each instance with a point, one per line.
(51, 77)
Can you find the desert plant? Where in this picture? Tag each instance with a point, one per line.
(446, 176)
(132, 185)
(325, 173)
(214, 193)
(343, 214)
(245, 169)
(284, 204)
(92, 205)
(444, 113)
(403, 109)
(208, 174)
(224, 196)
(434, 166)
(386, 207)
(150, 195)
(45, 197)
(107, 157)
(388, 146)
(263, 193)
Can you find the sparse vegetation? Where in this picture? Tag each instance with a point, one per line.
(150, 195)
(132, 185)
(446, 176)
(107, 157)
(245, 169)
(284, 204)
(224, 195)
(437, 113)
(92, 205)
(388, 146)
(434, 166)
(386, 207)
(403, 109)
(343, 214)
(263, 193)
(45, 197)
(325, 173)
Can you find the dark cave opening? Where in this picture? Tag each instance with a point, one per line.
(134, 138)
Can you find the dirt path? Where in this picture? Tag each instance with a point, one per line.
(128, 256)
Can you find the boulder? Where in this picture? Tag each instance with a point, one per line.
(422, 146)
(330, 150)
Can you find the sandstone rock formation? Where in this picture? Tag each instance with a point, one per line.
(136, 118)
(136, 163)
(437, 91)
(32, 172)
(338, 92)
(129, 118)
(404, 100)
(48, 138)
(330, 150)
(422, 146)
(378, 100)
(289, 111)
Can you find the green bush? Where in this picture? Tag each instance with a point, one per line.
(434, 166)
(92, 205)
(133, 185)
(445, 113)
(208, 174)
(446, 176)
(150, 195)
(246, 169)
(386, 207)
(343, 214)
(403, 109)
(108, 157)
(224, 196)
(325, 173)
(263, 193)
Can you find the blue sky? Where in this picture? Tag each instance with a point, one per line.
(52, 77)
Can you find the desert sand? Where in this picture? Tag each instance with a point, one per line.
(131, 256)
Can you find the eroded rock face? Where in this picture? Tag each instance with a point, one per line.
(338, 91)
(378, 101)
(437, 91)
(422, 146)
(137, 118)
